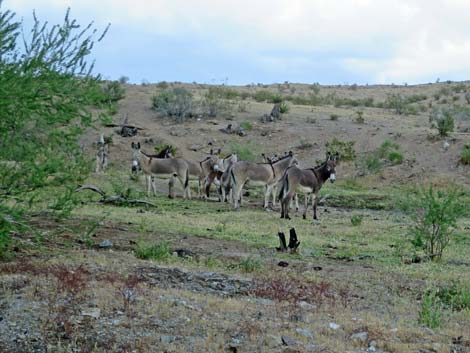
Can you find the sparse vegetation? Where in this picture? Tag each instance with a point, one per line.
(284, 108)
(356, 220)
(360, 117)
(244, 153)
(157, 252)
(435, 214)
(465, 155)
(344, 148)
(443, 121)
(177, 102)
(431, 313)
(246, 125)
(334, 117)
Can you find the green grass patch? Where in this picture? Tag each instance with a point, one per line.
(157, 252)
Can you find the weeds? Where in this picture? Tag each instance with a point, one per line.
(246, 125)
(344, 148)
(465, 155)
(356, 220)
(157, 252)
(431, 313)
(360, 117)
(249, 265)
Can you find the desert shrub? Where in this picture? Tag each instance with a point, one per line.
(262, 96)
(434, 214)
(304, 144)
(431, 313)
(453, 296)
(160, 251)
(360, 117)
(467, 97)
(396, 102)
(113, 91)
(459, 88)
(395, 157)
(246, 125)
(249, 265)
(356, 220)
(162, 85)
(242, 106)
(373, 164)
(311, 120)
(47, 96)
(443, 121)
(216, 101)
(123, 79)
(315, 88)
(344, 148)
(177, 102)
(386, 147)
(244, 152)
(284, 108)
(334, 117)
(455, 98)
(465, 155)
(275, 98)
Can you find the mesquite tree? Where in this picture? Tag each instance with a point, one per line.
(46, 89)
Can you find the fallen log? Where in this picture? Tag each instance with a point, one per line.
(116, 199)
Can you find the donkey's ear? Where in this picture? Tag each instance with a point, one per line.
(132, 144)
(291, 153)
(336, 156)
(211, 152)
(210, 143)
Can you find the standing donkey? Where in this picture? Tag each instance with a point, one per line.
(172, 168)
(307, 181)
(262, 174)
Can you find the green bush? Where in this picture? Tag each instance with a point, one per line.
(373, 164)
(431, 313)
(356, 220)
(395, 157)
(284, 108)
(157, 252)
(249, 265)
(216, 100)
(344, 148)
(177, 102)
(113, 91)
(262, 96)
(443, 121)
(453, 296)
(47, 96)
(247, 125)
(435, 215)
(244, 152)
(334, 117)
(360, 117)
(465, 155)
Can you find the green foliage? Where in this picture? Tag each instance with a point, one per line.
(431, 313)
(275, 98)
(395, 157)
(246, 125)
(386, 147)
(360, 117)
(435, 216)
(262, 96)
(123, 79)
(453, 296)
(158, 252)
(334, 117)
(356, 220)
(284, 108)
(249, 265)
(465, 155)
(47, 91)
(113, 92)
(244, 152)
(373, 164)
(344, 148)
(443, 121)
(177, 102)
(216, 100)
(163, 85)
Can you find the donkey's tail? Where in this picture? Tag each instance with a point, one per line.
(232, 178)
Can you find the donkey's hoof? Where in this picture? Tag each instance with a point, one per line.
(304, 216)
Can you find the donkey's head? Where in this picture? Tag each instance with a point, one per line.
(135, 157)
(330, 165)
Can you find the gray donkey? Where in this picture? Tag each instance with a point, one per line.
(166, 168)
(307, 181)
(259, 174)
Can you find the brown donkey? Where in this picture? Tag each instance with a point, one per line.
(172, 168)
(306, 181)
(259, 174)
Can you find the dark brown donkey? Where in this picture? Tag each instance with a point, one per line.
(306, 181)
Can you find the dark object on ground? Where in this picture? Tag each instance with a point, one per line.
(116, 199)
(293, 242)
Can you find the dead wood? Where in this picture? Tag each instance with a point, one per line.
(116, 199)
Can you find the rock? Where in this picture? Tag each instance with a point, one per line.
(105, 244)
(167, 339)
(93, 312)
(360, 336)
(195, 147)
(304, 332)
(272, 341)
(334, 326)
(287, 341)
(306, 306)
(372, 346)
(283, 264)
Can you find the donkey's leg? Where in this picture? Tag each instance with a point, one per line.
(154, 186)
(237, 195)
(149, 184)
(314, 204)
(186, 188)
(269, 190)
(296, 198)
(171, 185)
(285, 204)
(304, 215)
(274, 192)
